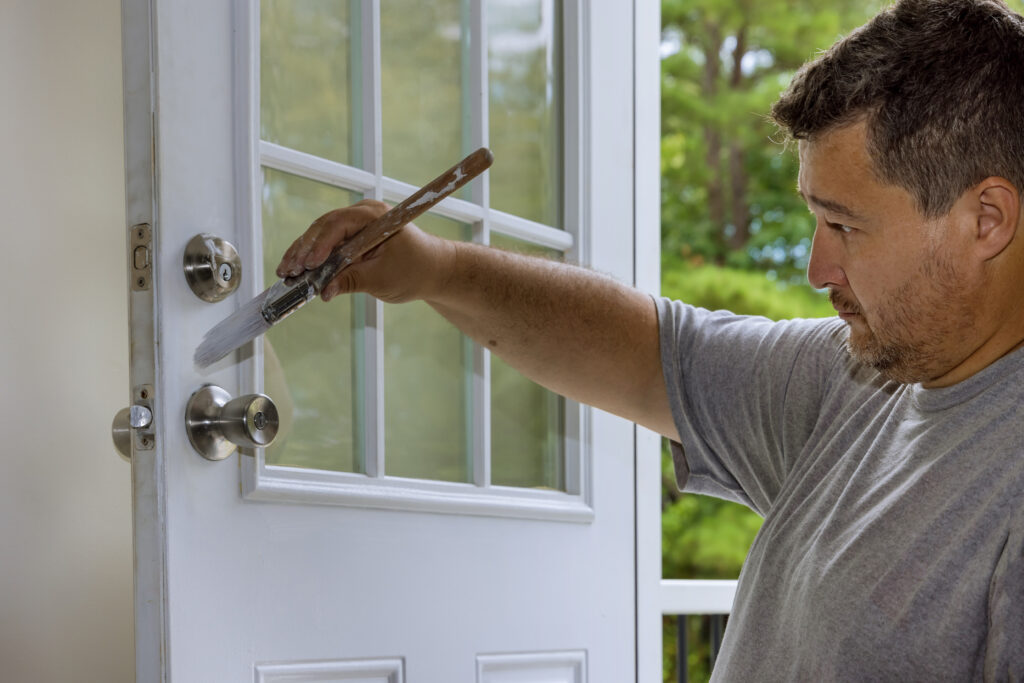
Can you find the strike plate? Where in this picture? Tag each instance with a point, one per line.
(145, 438)
(140, 257)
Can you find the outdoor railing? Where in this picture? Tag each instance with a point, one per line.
(681, 598)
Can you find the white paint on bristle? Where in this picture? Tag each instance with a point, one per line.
(243, 325)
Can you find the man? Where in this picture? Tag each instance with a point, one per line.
(884, 448)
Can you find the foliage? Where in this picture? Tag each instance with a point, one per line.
(743, 292)
(728, 190)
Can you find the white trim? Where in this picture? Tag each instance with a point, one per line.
(480, 190)
(249, 177)
(530, 667)
(450, 207)
(696, 596)
(530, 231)
(363, 671)
(647, 277)
(576, 131)
(293, 485)
(313, 167)
(373, 159)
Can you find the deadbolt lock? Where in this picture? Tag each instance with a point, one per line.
(212, 266)
(217, 424)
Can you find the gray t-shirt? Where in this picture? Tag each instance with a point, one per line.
(893, 541)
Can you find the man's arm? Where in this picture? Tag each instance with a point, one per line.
(576, 332)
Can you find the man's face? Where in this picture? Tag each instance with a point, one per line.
(892, 274)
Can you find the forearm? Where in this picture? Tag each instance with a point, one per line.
(576, 332)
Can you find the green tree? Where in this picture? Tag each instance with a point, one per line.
(727, 189)
(729, 205)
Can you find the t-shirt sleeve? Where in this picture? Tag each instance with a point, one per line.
(745, 394)
(1004, 653)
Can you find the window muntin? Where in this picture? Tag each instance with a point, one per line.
(539, 433)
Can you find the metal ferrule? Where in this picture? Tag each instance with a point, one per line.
(284, 299)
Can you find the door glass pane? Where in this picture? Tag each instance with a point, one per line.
(424, 69)
(527, 420)
(307, 98)
(428, 379)
(312, 357)
(524, 53)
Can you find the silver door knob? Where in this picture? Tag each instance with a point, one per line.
(127, 419)
(217, 424)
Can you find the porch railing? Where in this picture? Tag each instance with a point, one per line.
(681, 598)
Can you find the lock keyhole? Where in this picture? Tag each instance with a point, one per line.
(213, 269)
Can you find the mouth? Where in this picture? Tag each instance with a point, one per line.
(844, 309)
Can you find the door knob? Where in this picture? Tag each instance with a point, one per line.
(217, 424)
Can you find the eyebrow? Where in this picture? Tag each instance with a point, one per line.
(831, 205)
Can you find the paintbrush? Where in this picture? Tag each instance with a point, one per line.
(286, 296)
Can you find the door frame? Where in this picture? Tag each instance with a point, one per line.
(647, 272)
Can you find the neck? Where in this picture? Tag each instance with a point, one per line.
(1006, 337)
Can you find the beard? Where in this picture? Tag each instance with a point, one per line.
(915, 329)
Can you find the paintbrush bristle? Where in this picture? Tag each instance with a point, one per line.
(242, 326)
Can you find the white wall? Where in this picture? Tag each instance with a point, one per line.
(65, 495)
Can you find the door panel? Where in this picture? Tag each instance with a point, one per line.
(321, 551)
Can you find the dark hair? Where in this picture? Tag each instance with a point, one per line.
(940, 85)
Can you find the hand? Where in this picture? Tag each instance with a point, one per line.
(410, 265)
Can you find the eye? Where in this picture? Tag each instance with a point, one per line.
(845, 229)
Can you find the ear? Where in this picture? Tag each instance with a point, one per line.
(997, 215)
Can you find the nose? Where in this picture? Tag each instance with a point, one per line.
(824, 269)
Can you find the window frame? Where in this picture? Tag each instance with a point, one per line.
(373, 488)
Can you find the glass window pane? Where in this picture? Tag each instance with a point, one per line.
(307, 98)
(527, 420)
(428, 379)
(312, 359)
(424, 69)
(524, 53)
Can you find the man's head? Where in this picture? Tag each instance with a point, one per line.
(940, 85)
(911, 137)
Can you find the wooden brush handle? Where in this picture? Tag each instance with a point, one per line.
(391, 223)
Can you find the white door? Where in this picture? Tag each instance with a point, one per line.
(425, 514)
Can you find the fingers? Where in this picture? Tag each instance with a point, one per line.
(313, 247)
(345, 282)
(400, 269)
